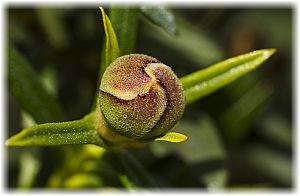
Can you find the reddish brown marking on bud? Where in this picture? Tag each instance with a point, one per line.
(125, 77)
(133, 118)
(174, 93)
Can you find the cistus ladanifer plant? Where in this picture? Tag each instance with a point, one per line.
(139, 98)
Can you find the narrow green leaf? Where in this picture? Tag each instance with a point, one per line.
(127, 183)
(204, 142)
(270, 163)
(50, 80)
(206, 81)
(134, 170)
(70, 164)
(27, 120)
(111, 43)
(237, 118)
(50, 134)
(29, 168)
(124, 21)
(216, 180)
(52, 23)
(29, 90)
(277, 128)
(83, 180)
(100, 167)
(110, 53)
(160, 16)
(172, 137)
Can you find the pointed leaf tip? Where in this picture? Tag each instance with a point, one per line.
(269, 52)
(52, 134)
(208, 80)
(162, 17)
(111, 42)
(172, 137)
(265, 53)
(14, 140)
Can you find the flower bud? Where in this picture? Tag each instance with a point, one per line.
(140, 98)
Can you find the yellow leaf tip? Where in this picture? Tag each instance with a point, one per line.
(14, 140)
(269, 52)
(173, 137)
(9, 142)
(102, 11)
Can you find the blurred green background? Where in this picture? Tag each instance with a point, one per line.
(240, 137)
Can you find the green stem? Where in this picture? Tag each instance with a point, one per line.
(81, 131)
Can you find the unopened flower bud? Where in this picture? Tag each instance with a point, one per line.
(140, 98)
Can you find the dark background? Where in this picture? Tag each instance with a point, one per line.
(240, 136)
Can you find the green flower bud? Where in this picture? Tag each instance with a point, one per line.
(140, 98)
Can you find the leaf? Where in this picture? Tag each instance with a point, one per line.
(124, 20)
(70, 164)
(206, 81)
(216, 179)
(160, 16)
(129, 185)
(27, 120)
(83, 180)
(204, 142)
(29, 168)
(270, 162)
(277, 128)
(53, 25)
(110, 53)
(111, 43)
(50, 80)
(135, 171)
(51, 134)
(172, 137)
(29, 90)
(237, 119)
(109, 175)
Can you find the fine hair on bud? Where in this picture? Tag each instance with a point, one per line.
(140, 97)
